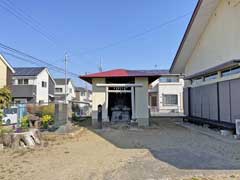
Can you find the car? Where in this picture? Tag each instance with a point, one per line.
(10, 116)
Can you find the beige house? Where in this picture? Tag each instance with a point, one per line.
(6, 72)
(123, 95)
(209, 56)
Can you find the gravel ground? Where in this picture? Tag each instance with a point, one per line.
(168, 150)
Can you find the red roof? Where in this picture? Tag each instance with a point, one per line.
(116, 73)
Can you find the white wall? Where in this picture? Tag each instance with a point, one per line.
(141, 101)
(71, 95)
(220, 42)
(42, 92)
(86, 98)
(99, 97)
(31, 80)
(174, 88)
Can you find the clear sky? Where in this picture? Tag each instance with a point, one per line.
(92, 29)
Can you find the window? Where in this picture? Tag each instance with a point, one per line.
(170, 100)
(23, 81)
(44, 84)
(231, 71)
(59, 90)
(83, 93)
(20, 81)
(70, 90)
(210, 77)
(196, 81)
(153, 101)
(167, 79)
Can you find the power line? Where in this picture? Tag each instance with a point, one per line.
(149, 30)
(32, 59)
(113, 44)
(23, 20)
(135, 36)
(30, 21)
(35, 63)
(29, 17)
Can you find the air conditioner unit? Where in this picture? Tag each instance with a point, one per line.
(238, 126)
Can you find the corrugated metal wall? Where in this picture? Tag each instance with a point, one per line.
(224, 101)
(217, 102)
(235, 99)
(186, 101)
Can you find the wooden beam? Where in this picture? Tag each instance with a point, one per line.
(119, 85)
(119, 91)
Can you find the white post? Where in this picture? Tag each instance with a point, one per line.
(106, 102)
(133, 102)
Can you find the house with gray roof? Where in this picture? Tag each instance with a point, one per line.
(32, 85)
(84, 101)
(61, 89)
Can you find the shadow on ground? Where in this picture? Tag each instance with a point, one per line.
(174, 144)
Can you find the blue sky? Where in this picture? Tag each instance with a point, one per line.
(82, 28)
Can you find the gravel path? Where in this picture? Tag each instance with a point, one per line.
(166, 151)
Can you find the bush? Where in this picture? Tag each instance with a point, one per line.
(41, 110)
(5, 100)
(48, 110)
(25, 122)
(47, 120)
(5, 97)
(1, 116)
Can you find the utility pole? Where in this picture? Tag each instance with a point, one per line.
(66, 103)
(65, 62)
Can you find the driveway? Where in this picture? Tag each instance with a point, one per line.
(166, 150)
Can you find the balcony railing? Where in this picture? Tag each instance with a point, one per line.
(24, 90)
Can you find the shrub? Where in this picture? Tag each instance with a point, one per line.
(46, 120)
(48, 110)
(5, 100)
(25, 122)
(5, 97)
(1, 116)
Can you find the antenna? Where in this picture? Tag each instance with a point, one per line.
(100, 65)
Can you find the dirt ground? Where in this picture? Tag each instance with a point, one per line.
(167, 150)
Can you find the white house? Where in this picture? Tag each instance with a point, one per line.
(32, 85)
(83, 100)
(209, 57)
(60, 90)
(166, 94)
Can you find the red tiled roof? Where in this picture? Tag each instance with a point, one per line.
(125, 73)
